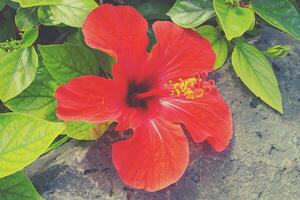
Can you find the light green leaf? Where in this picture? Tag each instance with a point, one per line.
(69, 12)
(60, 140)
(191, 13)
(38, 99)
(23, 139)
(256, 72)
(154, 9)
(46, 16)
(280, 13)
(277, 51)
(17, 71)
(16, 187)
(234, 20)
(218, 43)
(30, 3)
(30, 36)
(67, 61)
(85, 131)
(26, 18)
(73, 12)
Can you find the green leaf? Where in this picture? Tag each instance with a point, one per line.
(7, 27)
(256, 72)
(280, 13)
(234, 20)
(76, 38)
(17, 71)
(105, 61)
(2, 5)
(154, 9)
(86, 131)
(218, 43)
(23, 139)
(26, 18)
(17, 186)
(191, 13)
(60, 140)
(69, 12)
(46, 16)
(38, 99)
(67, 61)
(277, 51)
(30, 36)
(30, 3)
(73, 12)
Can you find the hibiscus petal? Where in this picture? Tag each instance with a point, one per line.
(155, 157)
(180, 52)
(121, 32)
(89, 98)
(208, 117)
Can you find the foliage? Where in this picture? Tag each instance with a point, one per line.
(42, 47)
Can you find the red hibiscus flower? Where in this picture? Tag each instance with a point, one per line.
(152, 93)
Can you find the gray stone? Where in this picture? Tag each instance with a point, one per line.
(262, 161)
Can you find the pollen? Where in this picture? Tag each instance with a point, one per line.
(190, 88)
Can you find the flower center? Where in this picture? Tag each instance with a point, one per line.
(191, 88)
(133, 90)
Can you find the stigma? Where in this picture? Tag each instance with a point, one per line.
(191, 88)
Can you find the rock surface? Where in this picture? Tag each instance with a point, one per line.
(262, 162)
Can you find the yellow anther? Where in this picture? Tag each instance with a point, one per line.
(186, 88)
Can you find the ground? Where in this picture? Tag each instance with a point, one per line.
(262, 162)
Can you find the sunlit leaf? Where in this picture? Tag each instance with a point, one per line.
(30, 36)
(17, 72)
(218, 43)
(256, 72)
(38, 99)
(234, 20)
(23, 139)
(85, 131)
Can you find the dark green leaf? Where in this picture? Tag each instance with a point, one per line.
(17, 71)
(280, 13)
(26, 18)
(105, 61)
(154, 9)
(217, 41)
(16, 187)
(191, 13)
(23, 139)
(7, 27)
(234, 20)
(67, 61)
(256, 72)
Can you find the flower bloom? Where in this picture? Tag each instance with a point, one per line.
(152, 93)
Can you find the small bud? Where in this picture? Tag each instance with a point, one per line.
(233, 2)
(277, 51)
